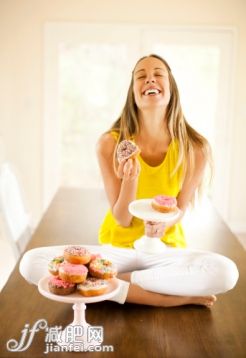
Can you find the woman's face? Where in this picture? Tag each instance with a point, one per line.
(151, 86)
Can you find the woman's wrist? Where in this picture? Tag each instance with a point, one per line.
(154, 229)
(127, 194)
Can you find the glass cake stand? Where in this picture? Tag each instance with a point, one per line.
(82, 341)
(142, 209)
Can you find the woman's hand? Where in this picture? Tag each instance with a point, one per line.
(128, 169)
(154, 229)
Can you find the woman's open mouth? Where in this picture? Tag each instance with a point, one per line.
(151, 92)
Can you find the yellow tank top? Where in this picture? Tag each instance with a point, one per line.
(152, 181)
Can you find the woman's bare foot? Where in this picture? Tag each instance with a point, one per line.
(207, 301)
(138, 295)
(155, 299)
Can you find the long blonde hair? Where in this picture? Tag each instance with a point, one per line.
(127, 125)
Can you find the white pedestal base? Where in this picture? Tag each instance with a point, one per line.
(77, 336)
(142, 209)
(149, 245)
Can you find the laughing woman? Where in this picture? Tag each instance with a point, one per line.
(172, 160)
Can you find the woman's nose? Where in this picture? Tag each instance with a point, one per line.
(150, 79)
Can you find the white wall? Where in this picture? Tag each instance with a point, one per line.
(22, 75)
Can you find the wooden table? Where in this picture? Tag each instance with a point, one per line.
(133, 330)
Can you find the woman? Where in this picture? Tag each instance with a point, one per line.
(172, 161)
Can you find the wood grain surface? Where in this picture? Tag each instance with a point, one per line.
(133, 330)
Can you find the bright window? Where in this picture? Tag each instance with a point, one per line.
(93, 84)
(87, 74)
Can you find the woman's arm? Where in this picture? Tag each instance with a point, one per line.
(121, 188)
(190, 184)
(192, 180)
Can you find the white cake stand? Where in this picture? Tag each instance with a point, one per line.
(142, 209)
(82, 341)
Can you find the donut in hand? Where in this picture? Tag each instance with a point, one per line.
(126, 149)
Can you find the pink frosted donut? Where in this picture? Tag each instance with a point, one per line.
(164, 203)
(77, 255)
(60, 287)
(126, 149)
(73, 273)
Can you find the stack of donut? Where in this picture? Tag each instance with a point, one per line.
(81, 271)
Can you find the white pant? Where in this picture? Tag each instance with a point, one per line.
(182, 272)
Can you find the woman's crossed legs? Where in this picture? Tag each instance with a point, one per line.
(172, 278)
